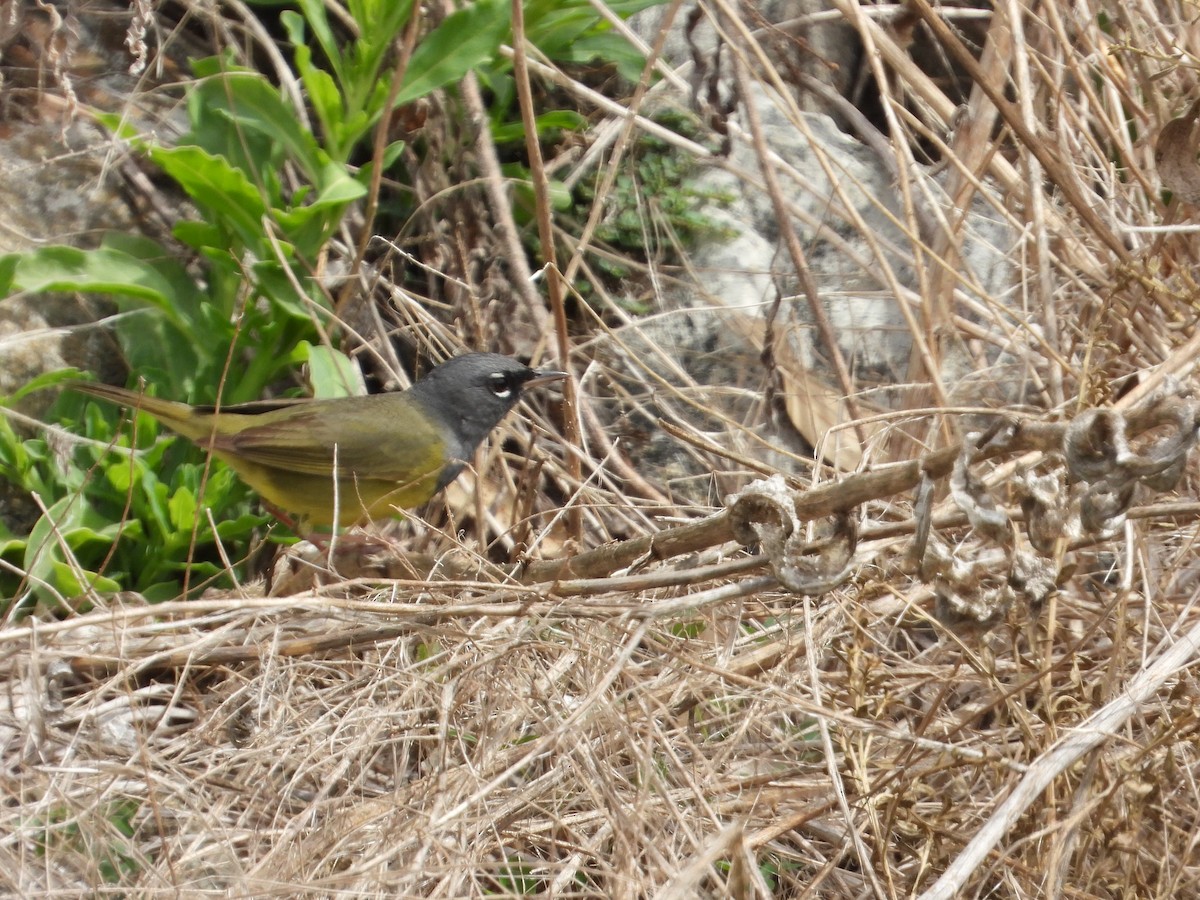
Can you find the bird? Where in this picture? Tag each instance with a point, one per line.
(345, 460)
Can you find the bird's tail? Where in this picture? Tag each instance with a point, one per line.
(177, 416)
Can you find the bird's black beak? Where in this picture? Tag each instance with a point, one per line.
(543, 376)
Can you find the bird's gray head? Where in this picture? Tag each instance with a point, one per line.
(470, 395)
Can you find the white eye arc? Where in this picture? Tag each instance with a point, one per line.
(500, 385)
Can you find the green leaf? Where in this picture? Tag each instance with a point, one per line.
(65, 521)
(10, 544)
(41, 383)
(310, 227)
(163, 351)
(323, 93)
(118, 124)
(358, 122)
(102, 271)
(8, 272)
(548, 125)
(120, 474)
(338, 187)
(331, 372)
(72, 582)
(612, 48)
(466, 39)
(183, 509)
(380, 24)
(251, 102)
(275, 284)
(214, 129)
(198, 235)
(218, 187)
(161, 591)
(560, 196)
(183, 297)
(391, 153)
(319, 85)
(314, 14)
(241, 528)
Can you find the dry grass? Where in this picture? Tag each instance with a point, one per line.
(664, 718)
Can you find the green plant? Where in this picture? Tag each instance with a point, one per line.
(138, 525)
(657, 186)
(270, 193)
(569, 32)
(518, 878)
(113, 856)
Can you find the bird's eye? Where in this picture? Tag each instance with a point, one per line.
(500, 385)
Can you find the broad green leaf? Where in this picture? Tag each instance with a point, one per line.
(44, 550)
(466, 39)
(218, 187)
(101, 271)
(240, 528)
(163, 351)
(253, 103)
(121, 474)
(69, 582)
(609, 47)
(161, 592)
(337, 187)
(560, 195)
(185, 298)
(277, 286)
(331, 373)
(119, 124)
(183, 509)
(391, 153)
(308, 227)
(198, 235)
(215, 130)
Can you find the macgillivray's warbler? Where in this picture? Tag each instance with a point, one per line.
(363, 456)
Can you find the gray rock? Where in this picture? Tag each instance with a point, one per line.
(65, 180)
(847, 211)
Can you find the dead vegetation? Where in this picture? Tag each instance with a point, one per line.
(962, 671)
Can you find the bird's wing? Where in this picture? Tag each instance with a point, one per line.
(375, 437)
